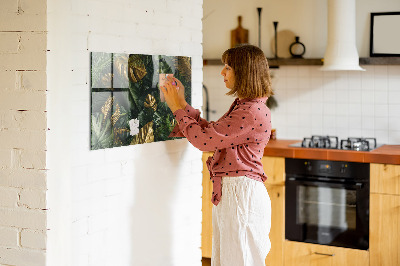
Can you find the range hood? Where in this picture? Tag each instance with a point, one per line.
(341, 51)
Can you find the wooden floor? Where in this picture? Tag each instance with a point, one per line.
(206, 261)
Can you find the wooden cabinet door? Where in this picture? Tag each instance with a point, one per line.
(277, 233)
(385, 178)
(274, 168)
(206, 226)
(304, 254)
(384, 237)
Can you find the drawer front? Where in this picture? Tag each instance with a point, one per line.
(297, 254)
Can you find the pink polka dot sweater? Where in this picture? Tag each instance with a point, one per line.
(238, 139)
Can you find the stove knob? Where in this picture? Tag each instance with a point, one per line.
(308, 166)
(343, 168)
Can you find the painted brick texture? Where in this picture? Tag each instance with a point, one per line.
(135, 205)
(23, 132)
(108, 207)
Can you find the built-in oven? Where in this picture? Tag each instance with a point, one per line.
(327, 202)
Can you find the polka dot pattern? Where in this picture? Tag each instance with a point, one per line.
(238, 139)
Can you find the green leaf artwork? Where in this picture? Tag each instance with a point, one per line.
(127, 106)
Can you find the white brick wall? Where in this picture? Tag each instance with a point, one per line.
(136, 205)
(33, 239)
(9, 237)
(23, 132)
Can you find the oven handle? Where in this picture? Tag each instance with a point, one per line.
(357, 185)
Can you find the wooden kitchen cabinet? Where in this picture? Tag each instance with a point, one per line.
(277, 233)
(385, 215)
(385, 178)
(305, 254)
(274, 168)
(206, 225)
(384, 236)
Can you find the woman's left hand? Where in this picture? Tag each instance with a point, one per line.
(170, 91)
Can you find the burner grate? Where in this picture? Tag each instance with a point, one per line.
(358, 144)
(327, 142)
(332, 142)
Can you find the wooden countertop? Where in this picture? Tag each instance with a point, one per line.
(389, 154)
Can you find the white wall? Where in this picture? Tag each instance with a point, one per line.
(311, 102)
(306, 19)
(134, 205)
(23, 133)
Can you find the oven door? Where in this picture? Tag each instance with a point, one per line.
(327, 213)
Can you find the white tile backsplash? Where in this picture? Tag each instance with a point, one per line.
(394, 110)
(292, 82)
(342, 109)
(394, 82)
(351, 103)
(394, 123)
(367, 110)
(368, 123)
(329, 109)
(381, 97)
(381, 110)
(367, 96)
(304, 82)
(382, 136)
(342, 123)
(394, 97)
(343, 103)
(381, 83)
(394, 137)
(381, 71)
(367, 77)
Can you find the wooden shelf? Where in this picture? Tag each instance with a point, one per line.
(274, 63)
(380, 61)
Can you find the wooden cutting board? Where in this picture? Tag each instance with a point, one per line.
(239, 35)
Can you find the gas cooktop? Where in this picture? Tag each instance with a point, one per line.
(332, 142)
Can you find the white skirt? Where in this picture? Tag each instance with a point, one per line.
(241, 223)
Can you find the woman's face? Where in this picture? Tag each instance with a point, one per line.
(229, 76)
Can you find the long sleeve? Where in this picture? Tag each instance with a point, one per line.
(193, 113)
(230, 131)
(238, 140)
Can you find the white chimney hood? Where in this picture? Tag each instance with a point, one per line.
(341, 51)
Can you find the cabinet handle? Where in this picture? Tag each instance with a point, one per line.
(324, 254)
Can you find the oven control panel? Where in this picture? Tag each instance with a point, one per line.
(337, 169)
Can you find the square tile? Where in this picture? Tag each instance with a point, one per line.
(381, 110)
(394, 110)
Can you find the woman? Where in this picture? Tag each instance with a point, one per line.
(242, 208)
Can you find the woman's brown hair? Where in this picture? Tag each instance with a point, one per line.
(250, 66)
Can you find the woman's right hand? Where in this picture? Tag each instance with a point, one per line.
(181, 91)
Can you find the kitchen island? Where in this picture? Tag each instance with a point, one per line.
(384, 207)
